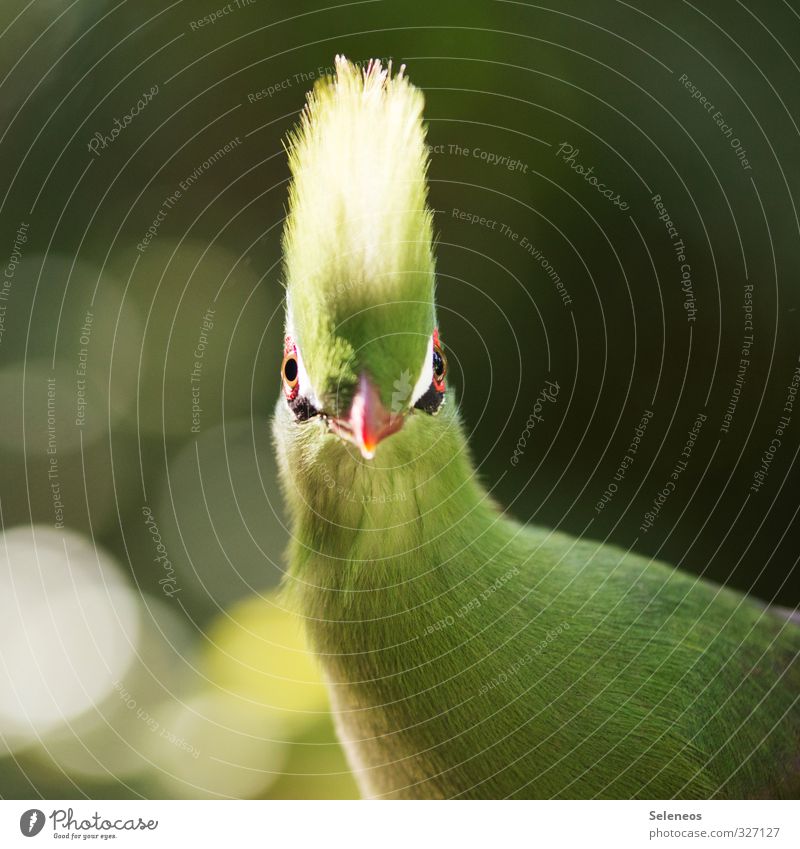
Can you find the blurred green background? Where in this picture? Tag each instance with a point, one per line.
(146, 651)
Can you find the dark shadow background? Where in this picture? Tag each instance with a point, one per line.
(501, 79)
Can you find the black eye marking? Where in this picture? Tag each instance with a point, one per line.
(303, 409)
(431, 400)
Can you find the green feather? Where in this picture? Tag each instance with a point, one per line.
(358, 261)
(470, 656)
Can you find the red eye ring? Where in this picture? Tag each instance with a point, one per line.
(290, 370)
(439, 363)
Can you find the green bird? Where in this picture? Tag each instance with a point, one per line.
(468, 655)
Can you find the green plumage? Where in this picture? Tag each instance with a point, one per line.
(357, 243)
(469, 656)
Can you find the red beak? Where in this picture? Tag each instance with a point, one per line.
(369, 422)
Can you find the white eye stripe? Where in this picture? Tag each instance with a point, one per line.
(305, 389)
(426, 376)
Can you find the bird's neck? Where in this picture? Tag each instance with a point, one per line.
(383, 538)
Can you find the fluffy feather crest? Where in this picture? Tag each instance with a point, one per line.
(357, 243)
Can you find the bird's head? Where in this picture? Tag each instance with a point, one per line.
(362, 354)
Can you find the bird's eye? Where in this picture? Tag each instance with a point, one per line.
(289, 372)
(439, 367)
(299, 404)
(432, 399)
